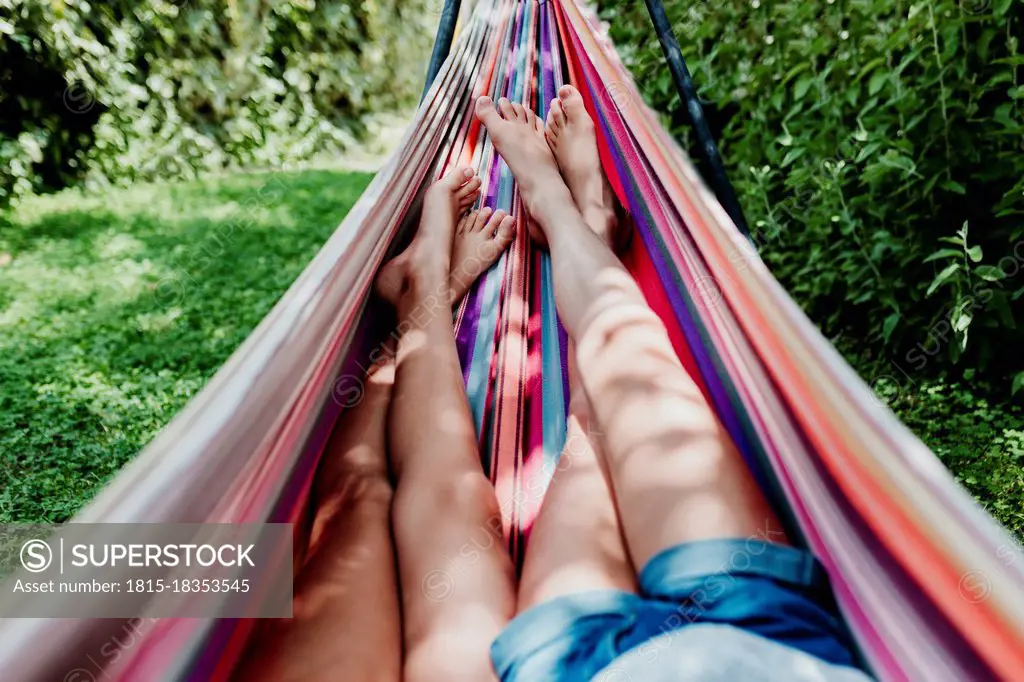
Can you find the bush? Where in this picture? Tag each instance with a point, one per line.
(878, 151)
(130, 90)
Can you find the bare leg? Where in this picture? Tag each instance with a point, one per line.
(676, 475)
(577, 543)
(456, 575)
(573, 140)
(346, 622)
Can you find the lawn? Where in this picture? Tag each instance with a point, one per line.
(115, 309)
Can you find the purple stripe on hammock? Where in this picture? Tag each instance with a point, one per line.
(951, 640)
(465, 338)
(465, 335)
(511, 72)
(551, 56)
(546, 59)
(715, 384)
(207, 658)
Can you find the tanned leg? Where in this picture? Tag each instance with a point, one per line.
(346, 622)
(456, 575)
(675, 473)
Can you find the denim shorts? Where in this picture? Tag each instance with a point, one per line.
(773, 591)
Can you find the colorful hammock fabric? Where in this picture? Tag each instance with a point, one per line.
(927, 582)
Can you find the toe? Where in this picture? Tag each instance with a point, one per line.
(468, 200)
(468, 189)
(551, 137)
(571, 99)
(558, 115)
(492, 224)
(549, 124)
(505, 107)
(465, 221)
(458, 177)
(481, 218)
(531, 117)
(519, 110)
(505, 232)
(486, 111)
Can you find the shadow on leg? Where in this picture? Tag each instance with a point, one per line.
(676, 474)
(456, 575)
(576, 544)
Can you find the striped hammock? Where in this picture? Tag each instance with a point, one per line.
(927, 582)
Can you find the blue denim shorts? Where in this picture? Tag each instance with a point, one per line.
(777, 592)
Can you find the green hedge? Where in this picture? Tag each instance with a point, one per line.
(878, 150)
(140, 89)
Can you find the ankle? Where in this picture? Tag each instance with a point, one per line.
(550, 205)
(601, 213)
(544, 187)
(424, 291)
(427, 266)
(603, 221)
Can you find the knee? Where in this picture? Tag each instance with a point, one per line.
(466, 495)
(348, 502)
(359, 467)
(360, 459)
(363, 492)
(452, 657)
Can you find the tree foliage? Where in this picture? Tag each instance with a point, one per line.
(878, 150)
(140, 89)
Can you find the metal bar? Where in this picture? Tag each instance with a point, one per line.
(688, 94)
(442, 41)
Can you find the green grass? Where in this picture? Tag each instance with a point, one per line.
(115, 309)
(978, 438)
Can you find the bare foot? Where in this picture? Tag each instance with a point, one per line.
(518, 136)
(427, 260)
(481, 237)
(572, 137)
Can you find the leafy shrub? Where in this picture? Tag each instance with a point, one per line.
(860, 134)
(130, 89)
